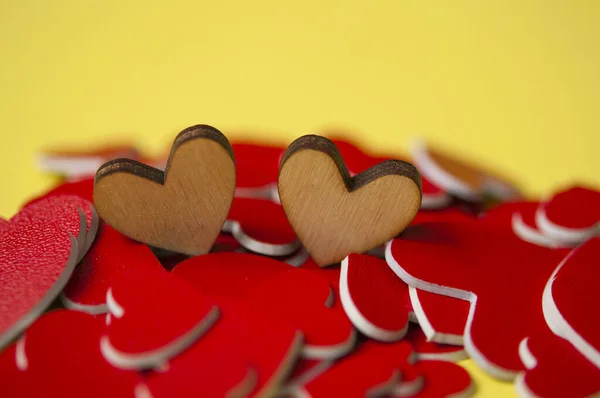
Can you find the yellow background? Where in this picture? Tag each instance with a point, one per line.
(513, 84)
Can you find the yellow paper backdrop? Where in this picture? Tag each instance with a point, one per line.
(513, 84)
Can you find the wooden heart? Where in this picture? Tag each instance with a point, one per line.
(181, 209)
(334, 214)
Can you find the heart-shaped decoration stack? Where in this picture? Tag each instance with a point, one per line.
(181, 209)
(334, 214)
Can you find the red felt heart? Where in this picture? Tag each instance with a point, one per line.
(260, 225)
(442, 318)
(60, 356)
(71, 213)
(37, 257)
(109, 256)
(571, 298)
(571, 216)
(157, 320)
(374, 298)
(473, 262)
(555, 369)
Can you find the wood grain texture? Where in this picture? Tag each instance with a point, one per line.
(334, 214)
(181, 209)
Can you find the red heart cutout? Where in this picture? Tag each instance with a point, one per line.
(474, 262)
(154, 322)
(374, 298)
(555, 369)
(571, 216)
(571, 297)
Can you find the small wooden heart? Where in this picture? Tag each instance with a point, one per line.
(181, 209)
(334, 214)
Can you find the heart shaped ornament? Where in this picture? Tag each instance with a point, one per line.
(374, 298)
(181, 209)
(476, 263)
(334, 214)
(555, 368)
(38, 252)
(568, 299)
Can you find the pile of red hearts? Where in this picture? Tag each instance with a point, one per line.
(110, 299)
